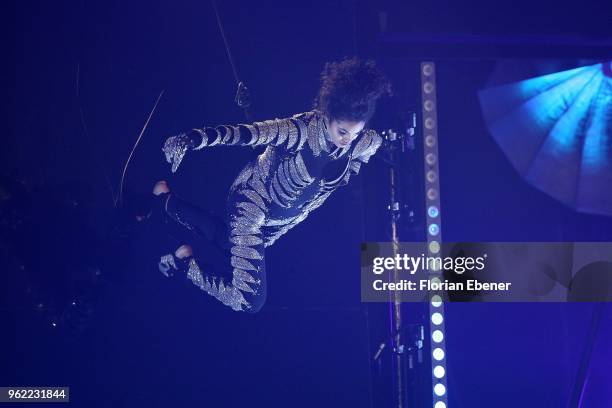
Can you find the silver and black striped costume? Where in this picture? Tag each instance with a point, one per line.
(299, 169)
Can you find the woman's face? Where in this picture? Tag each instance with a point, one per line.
(343, 132)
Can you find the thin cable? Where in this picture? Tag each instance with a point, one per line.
(242, 91)
(227, 48)
(120, 197)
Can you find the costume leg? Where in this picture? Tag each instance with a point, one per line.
(203, 223)
(202, 230)
(245, 219)
(238, 280)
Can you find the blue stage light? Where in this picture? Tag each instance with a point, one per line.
(556, 130)
(434, 229)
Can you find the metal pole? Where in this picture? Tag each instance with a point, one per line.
(396, 310)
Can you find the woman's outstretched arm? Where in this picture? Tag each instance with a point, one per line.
(289, 133)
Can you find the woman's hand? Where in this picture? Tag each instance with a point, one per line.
(175, 149)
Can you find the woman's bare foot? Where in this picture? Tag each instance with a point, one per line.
(183, 251)
(161, 187)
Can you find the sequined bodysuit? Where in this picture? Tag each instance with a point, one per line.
(299, 169)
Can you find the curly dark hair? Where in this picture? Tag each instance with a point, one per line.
(350, 89)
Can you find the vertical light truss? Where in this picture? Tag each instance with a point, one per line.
(434, 232)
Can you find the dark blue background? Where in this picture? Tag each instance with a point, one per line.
(158, 343)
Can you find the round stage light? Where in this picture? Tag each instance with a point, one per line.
(430, 159)
(432, 194)
(440, 404)
(434, 247)
(439, 371)
(430, 141)
(432, 211)
(436, 301)
(439, 389)
(438, 354)
(437, 318)
(434, 229)
(428, 105)
(437, 336)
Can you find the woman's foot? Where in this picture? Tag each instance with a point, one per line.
(184, 251)
(161, 194)
(161, 187)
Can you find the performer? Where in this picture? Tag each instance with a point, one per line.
(307, 157)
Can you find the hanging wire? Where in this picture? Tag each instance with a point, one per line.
(127, 162)
(243, 97)
(227, 48)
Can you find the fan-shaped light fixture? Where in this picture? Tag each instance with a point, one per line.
(556, 130)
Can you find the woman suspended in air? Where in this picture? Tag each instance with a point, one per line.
(307, 157)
